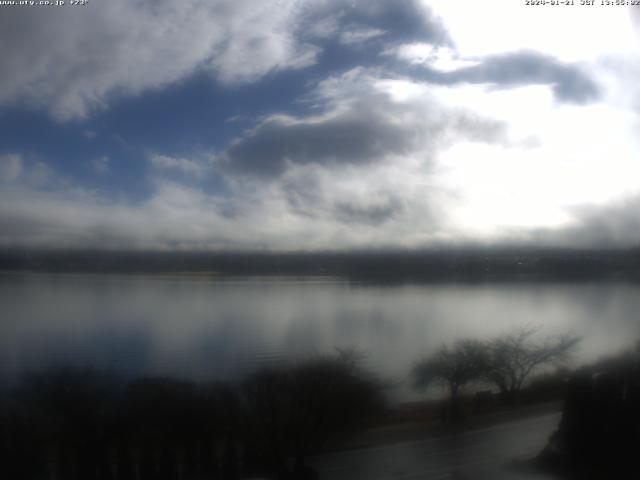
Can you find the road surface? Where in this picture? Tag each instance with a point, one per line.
(486, 453)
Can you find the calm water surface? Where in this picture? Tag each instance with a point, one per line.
(207, 328)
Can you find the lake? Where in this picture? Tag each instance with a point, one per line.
(207, 328)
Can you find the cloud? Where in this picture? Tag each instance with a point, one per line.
(16, 171)
(10, 167)
(360, 35)
(182, 165)
(614, 225)
(347, 197)
(311, 207)
(355, 22)
(368, 214)
(430, 145)
(101, 165)
(362, 123)
(73, 62)
(570, 82)
(41, 175)
(442, 59)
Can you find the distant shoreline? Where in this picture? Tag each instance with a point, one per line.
(379, 267)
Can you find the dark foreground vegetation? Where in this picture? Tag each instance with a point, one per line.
(87, 424)
(83, 424)
(599, 434)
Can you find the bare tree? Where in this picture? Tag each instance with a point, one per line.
(510, 359)
(453, 366)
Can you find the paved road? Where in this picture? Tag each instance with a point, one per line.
(478, 454)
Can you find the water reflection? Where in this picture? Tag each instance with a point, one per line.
(205, 328)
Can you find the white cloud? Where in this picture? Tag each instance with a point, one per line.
(183, 165)
(559, 157)
(71, 61)
(444, 59)
(569, 33)
(360, 35)
(10, 167)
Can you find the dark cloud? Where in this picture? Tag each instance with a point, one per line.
(359, 136)
(398, 21)
(371, 213)
(609, 226)
(403, 20)
(15, 227)
(303, 195)
(569, 82)
(308, 197)
(365, 128)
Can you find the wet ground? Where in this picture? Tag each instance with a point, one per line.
(495, 452)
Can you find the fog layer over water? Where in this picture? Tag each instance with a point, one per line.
(205, 328)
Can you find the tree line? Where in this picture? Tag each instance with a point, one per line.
(85, 424)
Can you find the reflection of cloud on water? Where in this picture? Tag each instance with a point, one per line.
(122, 352)
(224, 329)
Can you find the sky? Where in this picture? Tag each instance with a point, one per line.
(314, 125)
